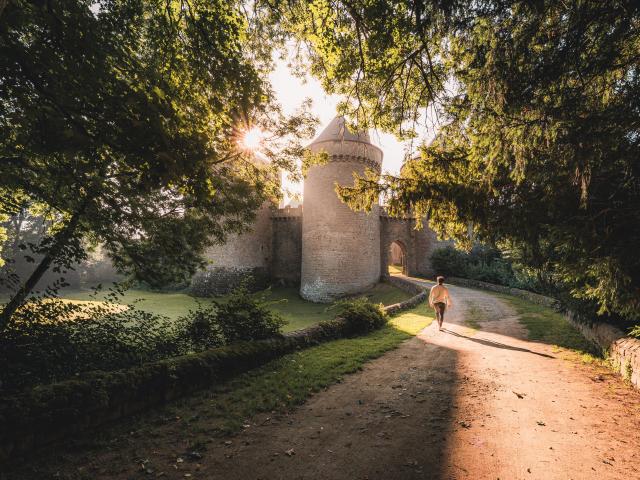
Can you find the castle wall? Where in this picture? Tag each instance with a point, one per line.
(286, 261)
(243, 255)
(331, 251)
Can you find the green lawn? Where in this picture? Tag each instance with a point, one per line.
(286, 301)
(387, 294)
(171, 304)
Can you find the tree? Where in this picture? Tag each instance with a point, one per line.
(121, 119)
(539, 108)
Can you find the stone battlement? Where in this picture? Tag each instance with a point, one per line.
(373, 164)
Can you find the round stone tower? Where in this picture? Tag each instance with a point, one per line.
(340, 247)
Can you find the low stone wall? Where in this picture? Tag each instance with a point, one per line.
(420, 294)
(623, 351)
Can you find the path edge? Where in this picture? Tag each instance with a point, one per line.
(622, 351)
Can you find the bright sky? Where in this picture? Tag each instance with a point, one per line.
(292, 91)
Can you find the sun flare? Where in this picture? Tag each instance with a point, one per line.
(252, 138)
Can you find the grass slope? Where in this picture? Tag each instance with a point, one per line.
(548, 326)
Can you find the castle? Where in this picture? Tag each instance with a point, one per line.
(323, 246)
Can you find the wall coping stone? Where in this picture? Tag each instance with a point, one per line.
(420, 294)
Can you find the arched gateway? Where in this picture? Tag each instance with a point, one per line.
(415, 246)
(397, 258)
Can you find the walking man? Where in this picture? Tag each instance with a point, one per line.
(439, 300)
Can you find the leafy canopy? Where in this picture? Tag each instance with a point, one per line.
(122, 119)
(538, 105)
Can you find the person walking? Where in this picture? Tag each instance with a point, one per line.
(439, 300)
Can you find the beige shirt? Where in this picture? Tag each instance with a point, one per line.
(439, 294)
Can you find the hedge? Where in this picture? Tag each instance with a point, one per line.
(50, 412)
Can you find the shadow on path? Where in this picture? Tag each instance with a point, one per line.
(493, 343)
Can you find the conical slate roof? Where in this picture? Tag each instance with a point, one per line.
(337, 131)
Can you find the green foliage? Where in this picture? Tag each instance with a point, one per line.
(628, 371)
(247, 317)
(450, 262)
(538, 143)
(123, 120)
(108, 336)
(361, 315)
(484, 264)
(82, 337)
(240, 317)
(200, 328)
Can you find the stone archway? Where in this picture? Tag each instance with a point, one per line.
(398, 260)
(416, 245)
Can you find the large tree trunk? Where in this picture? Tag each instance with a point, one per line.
(61, 240)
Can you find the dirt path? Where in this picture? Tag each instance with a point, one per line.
(443, 406)
(456, 404)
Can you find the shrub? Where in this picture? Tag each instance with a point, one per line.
(51, 339)
(361, 315)
(448, 261)
(247, 317)
(498, 271)
(199, 329)
(482, 263)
